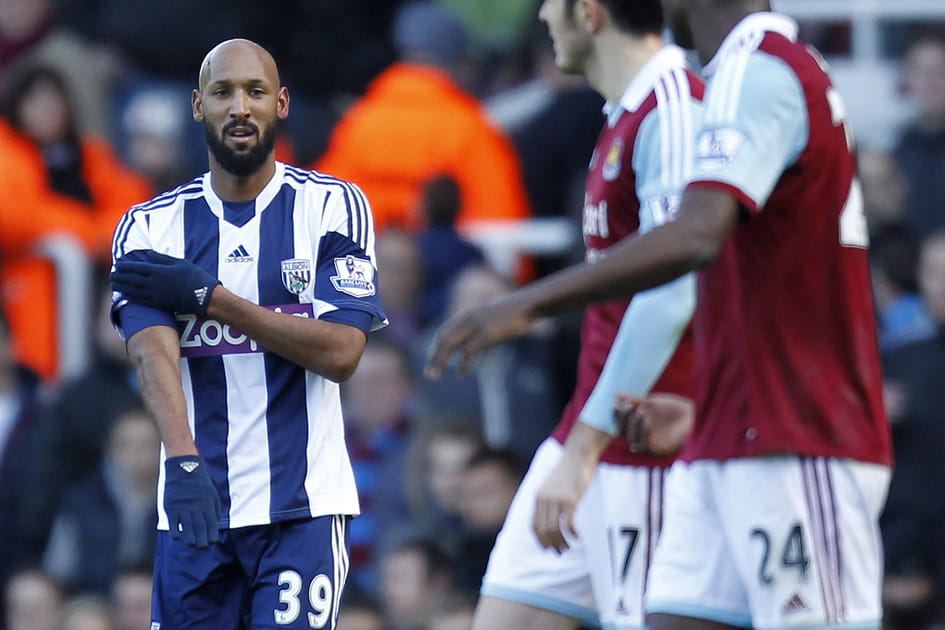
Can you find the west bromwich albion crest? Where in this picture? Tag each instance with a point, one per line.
(355, 276)
(296, 275)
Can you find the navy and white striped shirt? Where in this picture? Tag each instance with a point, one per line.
(270, 431)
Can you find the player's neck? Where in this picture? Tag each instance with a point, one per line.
(618, 60)
(711, 27)
(230, 187)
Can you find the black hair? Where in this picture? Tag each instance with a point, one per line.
(636, 17)
(438, 562)
(504, 458)
(22, 81)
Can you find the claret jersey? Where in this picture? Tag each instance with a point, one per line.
(270, 431)
(635, 178)
(786, 352)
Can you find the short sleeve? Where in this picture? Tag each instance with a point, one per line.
(346, 268)
(663, 154)
(131, 242)
(755, 126)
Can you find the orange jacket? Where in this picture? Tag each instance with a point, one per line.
(413, 124)
(29, 211)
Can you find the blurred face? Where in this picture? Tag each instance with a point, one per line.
(240, 102)
(925, 78)
(404, 585)
(459, 620)
(931, 277)
(135, 446)
(401, 275)
(359, 620)
(487, 495)
(44, 112)
(132, 597)
(448, 459)
(33, 603)
(678, 21)
(378, 390)
(87, 618)
(571, 44)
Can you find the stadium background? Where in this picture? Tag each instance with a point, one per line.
(95, 105)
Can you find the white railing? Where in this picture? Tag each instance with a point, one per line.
(74, 301)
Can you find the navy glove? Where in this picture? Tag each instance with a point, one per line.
(190, 500)
(165, 283)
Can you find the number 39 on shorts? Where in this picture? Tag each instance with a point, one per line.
(320, 596)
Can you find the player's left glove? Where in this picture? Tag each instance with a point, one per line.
(165, 283)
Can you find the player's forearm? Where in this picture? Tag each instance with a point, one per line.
(326, 348)
(640, 262)
(155, 354)
(585, 444)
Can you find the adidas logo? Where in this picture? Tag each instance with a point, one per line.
(239, 255)
(795, 604)
(201, 295)
(189, 467)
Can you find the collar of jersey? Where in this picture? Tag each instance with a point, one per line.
(747, 35)
(666, 59)
(263, 200)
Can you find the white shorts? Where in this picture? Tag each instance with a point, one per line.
(775, 542)
(601, 577)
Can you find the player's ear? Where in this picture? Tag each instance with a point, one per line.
(196, 102)
(282, 103)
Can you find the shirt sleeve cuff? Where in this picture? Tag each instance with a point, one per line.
(131, 318)
(361, 320)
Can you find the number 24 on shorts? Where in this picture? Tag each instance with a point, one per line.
(793, 554)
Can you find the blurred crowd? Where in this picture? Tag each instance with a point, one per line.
(450, 115)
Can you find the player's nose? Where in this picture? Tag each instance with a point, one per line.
(239, 104)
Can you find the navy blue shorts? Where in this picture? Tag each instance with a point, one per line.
(285, 575)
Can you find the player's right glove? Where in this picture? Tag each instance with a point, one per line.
(166, 283)
(190, 500)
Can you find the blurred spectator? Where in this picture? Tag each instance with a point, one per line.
(495, 26)
(401, 284)
(31, 32)
(914, 519)
(109, 520)
(154, 138)
(86, 613)
(415, 123)
(921, 150)
(902, 315)
(413, 574)
(377, 422)
(33, 601)
(359, 611)
(489, 484)
(56, 182)
(131, 598)
(453, 611)
(443, 252)
(884, 189)
(440, 455)
(18, 402)
(507, 383)
(72, 430)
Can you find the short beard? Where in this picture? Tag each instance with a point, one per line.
(241, 163)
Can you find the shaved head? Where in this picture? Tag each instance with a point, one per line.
(237, 50)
